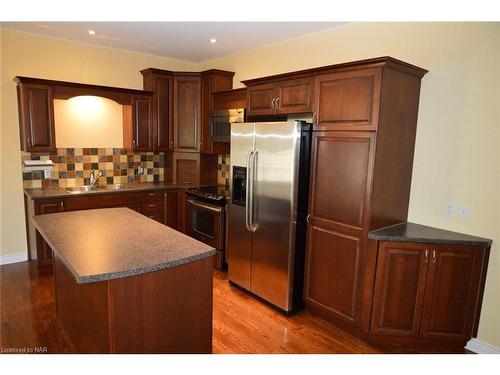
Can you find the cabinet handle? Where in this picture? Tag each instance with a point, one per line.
(152, 205)
(433, 256)
(426, 256)
(277, 102)
(171, 144)
(165, 194)
(29, 141)
(308, 219)
(151, 194)
(133, 143)
(273, 103)
(314, 118)
(61, 206)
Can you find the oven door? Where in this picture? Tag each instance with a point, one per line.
(205, 222)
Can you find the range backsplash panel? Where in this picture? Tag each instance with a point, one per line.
(223, 170)
(72, 167)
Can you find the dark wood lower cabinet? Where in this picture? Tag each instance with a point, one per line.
(427, 292)
(43, 250)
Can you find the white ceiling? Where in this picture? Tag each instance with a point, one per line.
(180, 40)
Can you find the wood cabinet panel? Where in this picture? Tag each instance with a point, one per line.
(142, 123)
(340, 176)
(333, 261)
(348, 100)
(451, 292)
(43, 250)
(36, 116)
(101, 201)
(171, 206)
(207, 83)
(260, 100)
(163, 114)
(295, 96)
(399, 289)
(187, 113)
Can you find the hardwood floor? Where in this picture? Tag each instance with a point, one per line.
(241, 324)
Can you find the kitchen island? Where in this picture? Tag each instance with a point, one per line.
(125, 283)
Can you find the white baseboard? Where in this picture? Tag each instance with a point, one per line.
(480, 347)
(13, 258)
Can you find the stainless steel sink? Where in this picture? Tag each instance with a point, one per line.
(80, 189)
(112, 187)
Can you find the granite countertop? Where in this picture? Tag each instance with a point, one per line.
(112, 243)
(58, 192)
(411, 232)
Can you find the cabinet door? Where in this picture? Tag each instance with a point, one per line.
(451, 292)
(43, 250)
(340, 175)
(36, 111)
(348, 100)
(295, 96)
(260, 99)
(142, 123)
(172, 209)
(206, 107)
(187, 114)
(399, 288)
(332, 273)
(163, 136)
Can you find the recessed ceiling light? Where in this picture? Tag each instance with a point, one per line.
(91, 32)
(213, 41)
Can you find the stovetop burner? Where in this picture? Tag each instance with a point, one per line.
(212, 193)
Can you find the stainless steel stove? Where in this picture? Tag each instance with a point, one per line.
(206, 218)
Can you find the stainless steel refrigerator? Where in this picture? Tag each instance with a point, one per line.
(269, 178)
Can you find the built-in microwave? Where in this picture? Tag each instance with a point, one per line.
(220, 123)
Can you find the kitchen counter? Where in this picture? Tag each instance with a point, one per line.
(111, 243)
(127, 284)
(58, 192)
(411, 232)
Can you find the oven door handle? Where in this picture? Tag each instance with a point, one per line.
(205, 206)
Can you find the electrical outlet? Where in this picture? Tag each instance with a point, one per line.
(464, 211)
(449, 209)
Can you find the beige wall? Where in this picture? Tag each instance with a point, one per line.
(88, 121)
(457, 154)
(33, 56)
(458, 137)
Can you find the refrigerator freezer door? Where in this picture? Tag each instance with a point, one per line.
(239, 239)
(277, 147)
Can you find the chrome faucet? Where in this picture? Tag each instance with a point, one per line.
(94, 177)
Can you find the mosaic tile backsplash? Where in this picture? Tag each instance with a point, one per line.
(72, 167)
(223, 170)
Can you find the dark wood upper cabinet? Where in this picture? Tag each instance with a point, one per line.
(348, 100)
(36, 116)
(295, 96)
(211, 82)
(142, 123)
(286, 97)
(187, 109)
(161, 83)
(260, 100)
(399, 289)
(229, 99)
(453, 284)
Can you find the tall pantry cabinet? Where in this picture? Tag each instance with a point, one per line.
(365, 118)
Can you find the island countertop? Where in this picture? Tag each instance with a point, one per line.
(111, 243)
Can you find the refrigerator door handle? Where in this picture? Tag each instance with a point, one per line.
(253, 174)
(247, 193)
